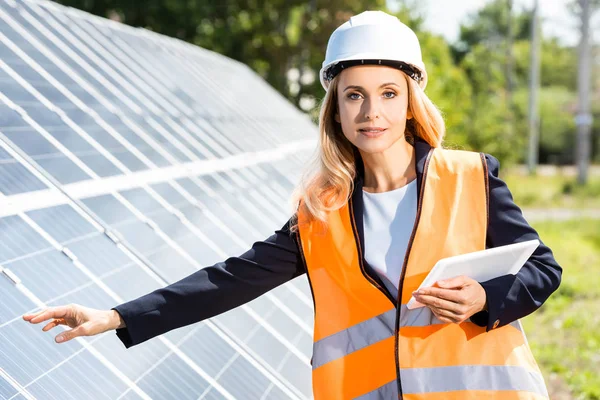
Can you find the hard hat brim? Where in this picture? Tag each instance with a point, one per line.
(374, 59)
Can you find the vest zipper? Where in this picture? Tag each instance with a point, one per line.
(360, 256)
(404, 265)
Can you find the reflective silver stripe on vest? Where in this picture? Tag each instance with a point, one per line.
(424, 317)
(372, 331)
(354, 338)
(471, 377)
(386, 392)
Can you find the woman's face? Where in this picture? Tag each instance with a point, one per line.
(372, 96)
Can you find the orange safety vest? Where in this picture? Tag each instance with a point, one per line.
(366, 347)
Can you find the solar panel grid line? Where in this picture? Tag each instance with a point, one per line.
(180, 146)
(38, 128)
(55, 60)
(291, 347)
(237, 177)
(200, 75)
(151, 89)
(40, 304)
(289, 312)
(57, 246)
(18, 157)
(148, 140)
(182, 251)
(18, 387)
(158, 363)
(117, 26)
(76, 263)
(120, 73)
(159, 71)
(59, 43)
(63, 116)
(223, 254)
(264, 201)
(246, 353)
(85, 346)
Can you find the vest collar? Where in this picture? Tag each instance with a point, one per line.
(422, 149)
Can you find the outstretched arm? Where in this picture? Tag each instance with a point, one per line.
(212, 290)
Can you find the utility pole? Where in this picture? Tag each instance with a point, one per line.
(583, 120)
(534, 85)
(509, 68)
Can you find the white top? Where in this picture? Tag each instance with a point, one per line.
(388, 222)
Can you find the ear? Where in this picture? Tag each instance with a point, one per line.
(337, 118)
(409, 114)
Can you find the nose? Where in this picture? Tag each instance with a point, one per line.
(372, 109)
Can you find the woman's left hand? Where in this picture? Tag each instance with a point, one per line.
(453, 300)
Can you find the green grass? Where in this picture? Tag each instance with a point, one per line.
(564, 333)
(553, 191)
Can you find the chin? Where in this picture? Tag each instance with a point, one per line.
(373, 147)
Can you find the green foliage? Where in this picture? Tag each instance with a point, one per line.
(484, 110)
(555, 191)
(564, 333)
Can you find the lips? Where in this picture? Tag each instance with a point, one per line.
(373, 129)
(372, 132)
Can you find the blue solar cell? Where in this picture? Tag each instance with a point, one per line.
(242, 381)
(62, 222)
(82, 376)
(16, 93)
(109, 209)
(18, 239)
(46, 155)
(37, 271)
(169, 262)
(13, 303)
(84, 151)
(141, 145)
(169, 193)
(154, 76)
(7, 391)
(177, 382)
(15, 178)
(8, 116)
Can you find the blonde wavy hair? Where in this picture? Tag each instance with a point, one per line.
(328, 182)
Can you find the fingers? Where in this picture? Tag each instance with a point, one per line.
(454, 283)
(52, 312)
(438, 303)
(54, 323)
(71, 334)
(447, 316)
(453, 295)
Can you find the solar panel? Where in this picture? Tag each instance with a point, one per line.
(129, 160)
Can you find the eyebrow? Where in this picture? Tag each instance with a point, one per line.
(361, 88)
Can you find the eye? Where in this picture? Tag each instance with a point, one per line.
(353, 94)
(389, 97)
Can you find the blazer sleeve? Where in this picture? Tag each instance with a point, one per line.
(212, 290)
(511, 297)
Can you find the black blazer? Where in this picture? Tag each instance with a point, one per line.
(275, 260)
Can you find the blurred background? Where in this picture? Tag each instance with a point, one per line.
(515, 78)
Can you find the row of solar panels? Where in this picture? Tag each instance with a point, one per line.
(129, 160)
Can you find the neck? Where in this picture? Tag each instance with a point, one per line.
(391, 169)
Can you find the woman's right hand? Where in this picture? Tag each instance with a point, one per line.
(84, 321)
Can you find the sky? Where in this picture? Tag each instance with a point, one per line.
(445, 16)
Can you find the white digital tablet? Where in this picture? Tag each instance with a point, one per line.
(480, 265)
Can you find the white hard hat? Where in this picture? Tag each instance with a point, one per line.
(373, 37)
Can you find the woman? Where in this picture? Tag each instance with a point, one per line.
(383, 204)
